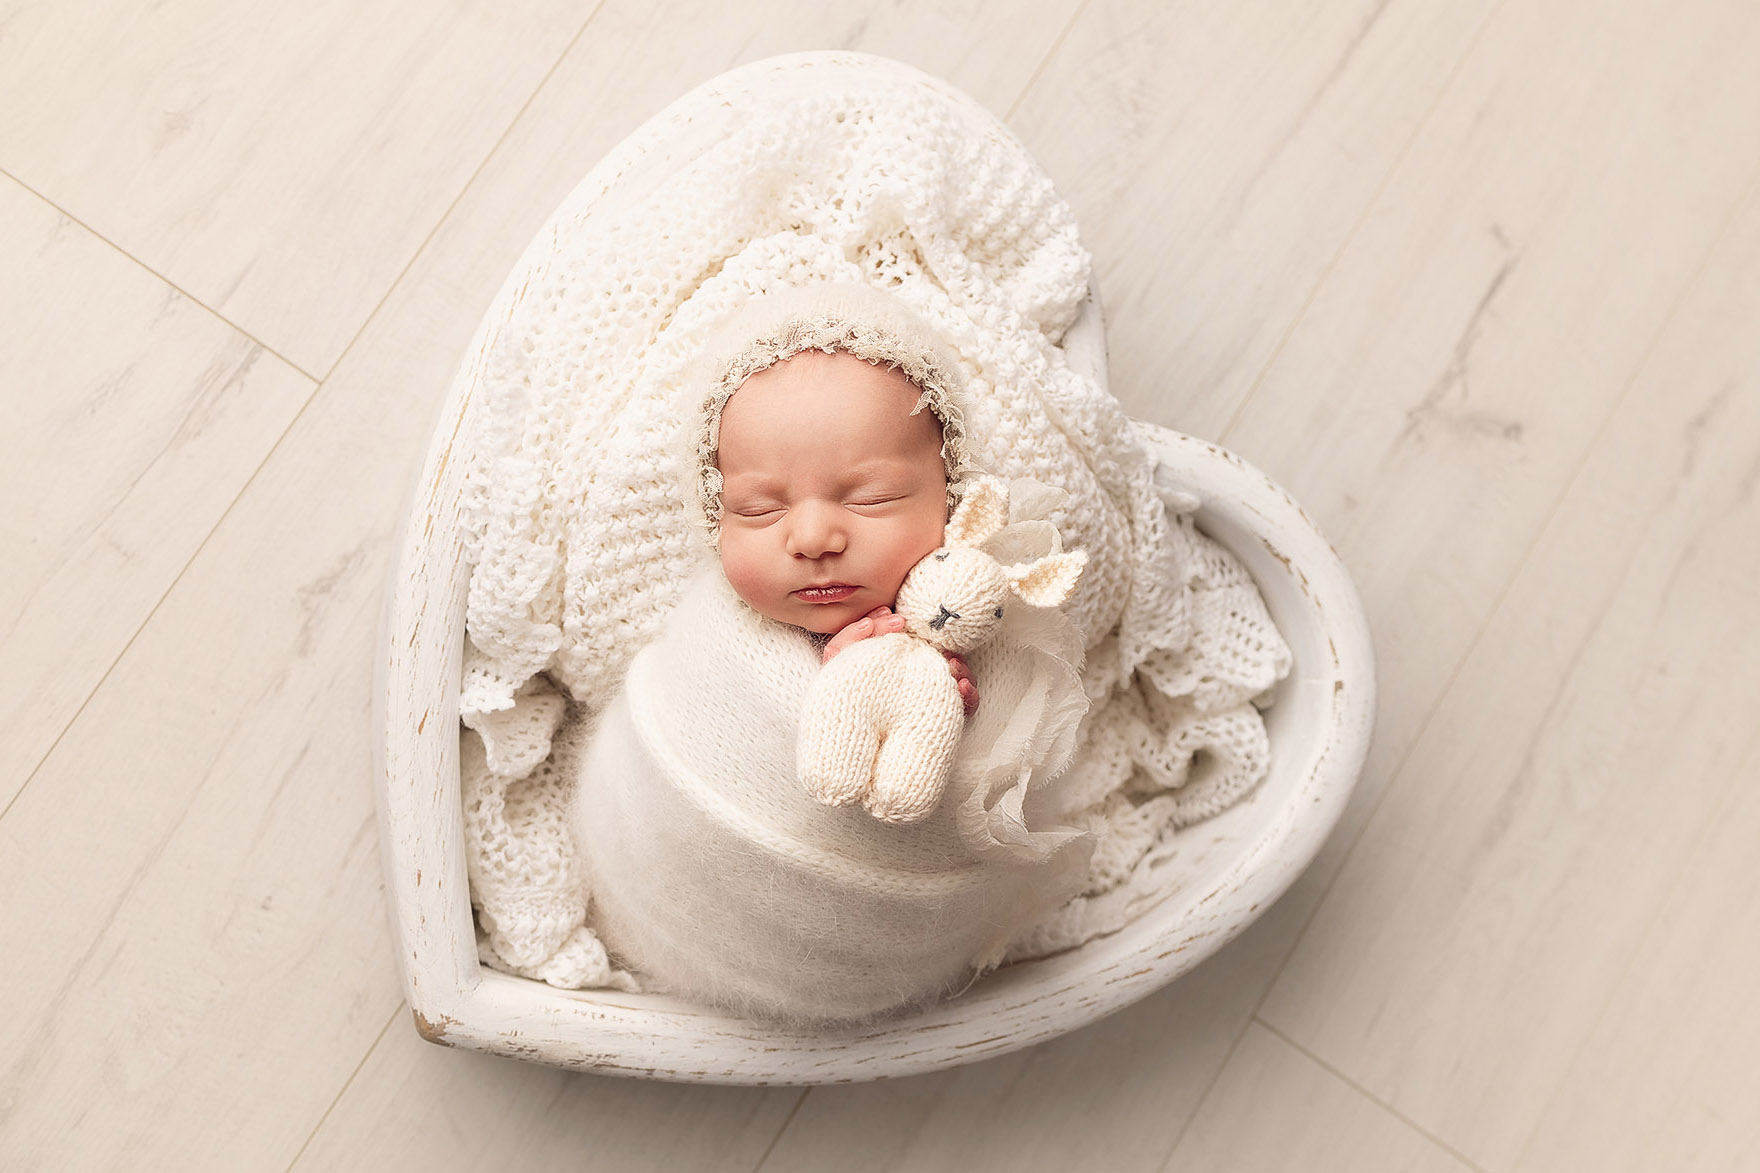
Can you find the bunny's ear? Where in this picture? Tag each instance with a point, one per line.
(982, 510)
(1031, 500)
(1049, 581)
(1020, 542)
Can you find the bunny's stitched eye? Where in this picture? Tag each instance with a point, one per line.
(942, 556)
(999, 612)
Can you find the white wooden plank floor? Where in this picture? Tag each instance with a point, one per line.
(1478, 282)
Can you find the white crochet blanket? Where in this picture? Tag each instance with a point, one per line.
(578, 513)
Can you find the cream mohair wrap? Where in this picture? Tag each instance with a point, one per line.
(583, 524)
(717, 877)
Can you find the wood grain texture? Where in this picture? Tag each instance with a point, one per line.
(1574, 767)
(415, 1106)
(1218, 156)
(280, 163)
(1666, 1079)
(1274, 1109)
(1451, 374)
(196, 863)
(133, 418)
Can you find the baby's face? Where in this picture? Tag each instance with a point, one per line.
(828, 480)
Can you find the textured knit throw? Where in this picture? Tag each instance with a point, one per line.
(584, 533)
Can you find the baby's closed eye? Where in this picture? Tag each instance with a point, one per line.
(755, 509)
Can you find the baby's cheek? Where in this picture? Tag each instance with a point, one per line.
(744, 570)
(914, 541)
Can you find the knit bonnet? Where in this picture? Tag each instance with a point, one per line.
(860, 320)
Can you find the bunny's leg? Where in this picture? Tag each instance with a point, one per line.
(838, 738)
(916, 757)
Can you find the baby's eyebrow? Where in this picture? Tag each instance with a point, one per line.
(763, 482)
(753, 482)
(874, 466)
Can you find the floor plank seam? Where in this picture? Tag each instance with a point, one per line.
(1689, 860)
(366, 322)
(1179, 1134)
(1039, 71)
(463, 190)
(317, 384)
(1750, 191)
(346, 1084)
(1372, 1097)
(163, 279)
(1264, 372)
(147, 619)
(786, 1121)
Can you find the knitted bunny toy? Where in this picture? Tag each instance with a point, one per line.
(882, 721)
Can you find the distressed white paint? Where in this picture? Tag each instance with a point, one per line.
(1234, 867)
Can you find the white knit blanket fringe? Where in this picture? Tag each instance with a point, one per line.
(577, 518)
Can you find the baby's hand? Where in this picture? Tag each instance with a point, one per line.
(879, 621)
(884, 621)
(962, 676)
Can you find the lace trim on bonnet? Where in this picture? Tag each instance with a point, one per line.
(856, 319)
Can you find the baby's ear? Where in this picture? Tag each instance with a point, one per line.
(1049, 581)
(982, 510)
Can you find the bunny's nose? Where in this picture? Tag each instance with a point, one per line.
(940, 621)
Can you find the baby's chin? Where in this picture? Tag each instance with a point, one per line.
(826, 618)
(820, 618)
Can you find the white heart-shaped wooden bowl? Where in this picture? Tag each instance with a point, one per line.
(1232, 867)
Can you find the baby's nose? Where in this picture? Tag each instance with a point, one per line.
(815, 531)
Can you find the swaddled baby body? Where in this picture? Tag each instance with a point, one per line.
(830, 444)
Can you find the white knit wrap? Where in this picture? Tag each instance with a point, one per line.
(719, 878)
(582, 436)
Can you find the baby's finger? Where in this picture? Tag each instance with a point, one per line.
(859, 630)
(968, 695)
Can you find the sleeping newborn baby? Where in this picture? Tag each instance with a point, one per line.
(831, 449)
